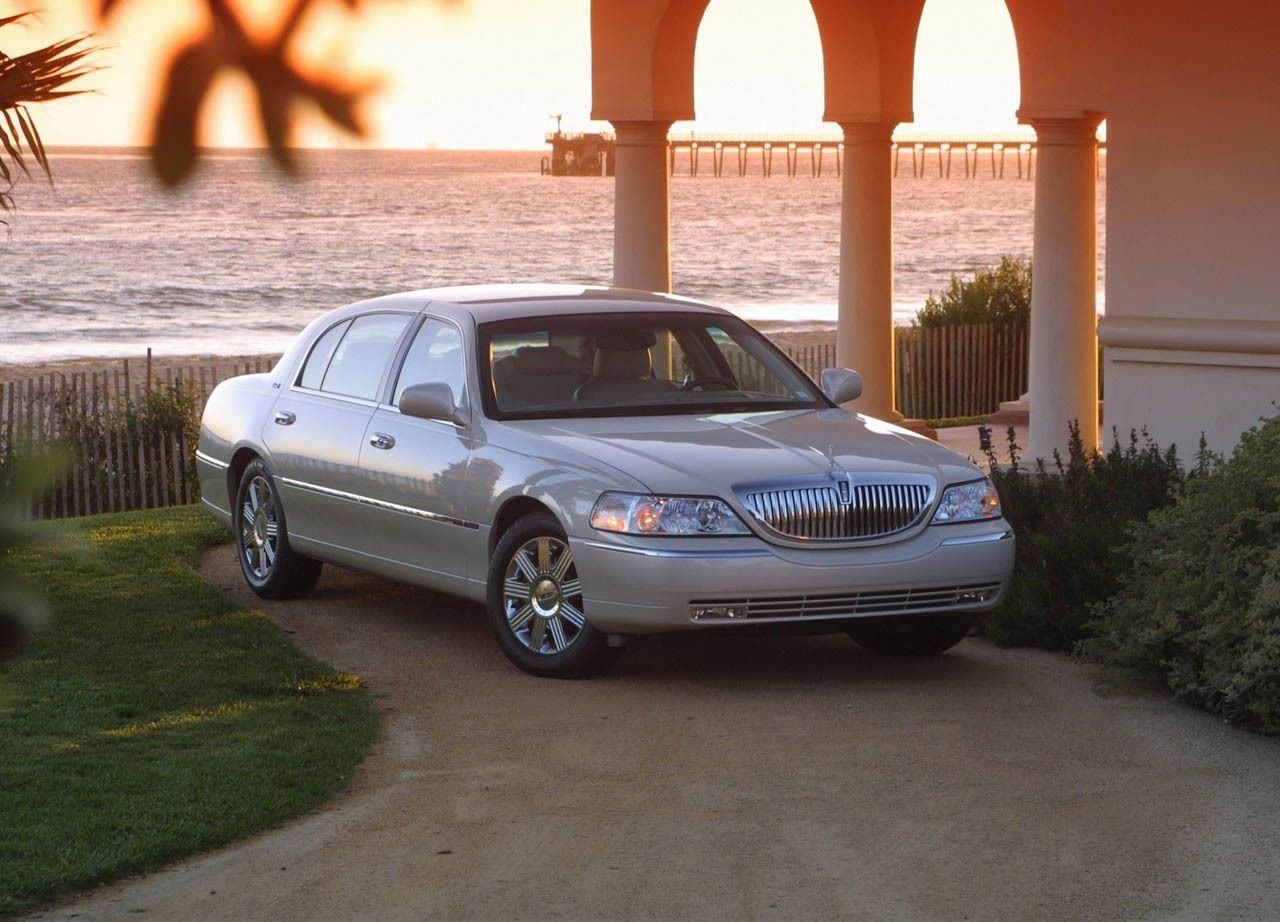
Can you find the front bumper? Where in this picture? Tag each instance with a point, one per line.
(634, 586)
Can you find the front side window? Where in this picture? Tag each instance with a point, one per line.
(635, 363)
(360, 359)
(434, 358)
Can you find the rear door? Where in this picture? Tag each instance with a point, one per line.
(319, 422)
(417, 470)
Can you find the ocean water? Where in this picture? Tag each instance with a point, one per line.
(107, 264)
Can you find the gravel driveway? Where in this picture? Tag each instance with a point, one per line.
(739, 778)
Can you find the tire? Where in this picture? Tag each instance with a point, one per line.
(272, 568)
(535, 604)
(912, 635)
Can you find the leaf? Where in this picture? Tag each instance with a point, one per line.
(191, 73)
(10, 140)
(33, 139)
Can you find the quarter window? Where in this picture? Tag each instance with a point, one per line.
(321, 353)
(362, 356)
(434, 358)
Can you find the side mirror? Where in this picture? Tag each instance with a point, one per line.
(841, 385)
(431, 401)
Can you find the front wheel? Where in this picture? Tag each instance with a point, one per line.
(535, 604)
(912, 635)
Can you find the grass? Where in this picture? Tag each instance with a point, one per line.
(152, 718)
(950, 422)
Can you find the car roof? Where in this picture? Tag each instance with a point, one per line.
(486, 303)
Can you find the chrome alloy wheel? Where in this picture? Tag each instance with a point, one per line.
(542, 597)
(259, 528)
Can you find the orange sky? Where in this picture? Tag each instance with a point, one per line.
(488, 74)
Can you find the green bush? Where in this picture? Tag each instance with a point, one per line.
(1072, 518)
(999, 295)
(1199, 605)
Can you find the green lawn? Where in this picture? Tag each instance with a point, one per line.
(152, 718)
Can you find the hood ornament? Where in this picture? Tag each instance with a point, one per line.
(839, 477)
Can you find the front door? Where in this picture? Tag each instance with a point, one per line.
(417, 470)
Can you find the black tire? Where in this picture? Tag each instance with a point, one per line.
(546, 577)
(912, 635)
(272, 570)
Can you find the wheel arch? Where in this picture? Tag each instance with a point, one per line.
(240, 459)
(513, 510)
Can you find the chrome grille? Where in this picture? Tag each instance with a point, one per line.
(845, 604)
(817, 512)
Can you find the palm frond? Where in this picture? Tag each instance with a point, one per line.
(38, 76)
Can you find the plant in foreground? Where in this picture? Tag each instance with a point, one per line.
(1072, 518)
(1199, 604)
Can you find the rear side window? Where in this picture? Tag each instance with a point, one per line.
(321, 353)
(358, 362)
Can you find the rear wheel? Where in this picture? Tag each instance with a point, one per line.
(271, 567)
(535, 603)
(912, 635)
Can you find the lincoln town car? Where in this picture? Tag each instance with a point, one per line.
(595, 463)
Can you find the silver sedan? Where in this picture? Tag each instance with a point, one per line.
(594, 463)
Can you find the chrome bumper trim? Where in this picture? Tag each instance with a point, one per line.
(660, 552)
(377, 503)
(978, 539)
(213, 462)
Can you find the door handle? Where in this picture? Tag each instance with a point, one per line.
(285, 418)
(382, 440)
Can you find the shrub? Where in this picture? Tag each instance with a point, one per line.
(998, 295)
(1199, 605)
(1072, 519)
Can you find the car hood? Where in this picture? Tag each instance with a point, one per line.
(707, 455)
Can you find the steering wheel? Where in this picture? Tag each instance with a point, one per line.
(727, 384)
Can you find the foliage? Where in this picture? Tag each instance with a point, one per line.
(999, 295)
(952, 422)
(38, 76)
(1072, 520)
(21, 608)
(1199, 605)
(228, 44)
(153, 718)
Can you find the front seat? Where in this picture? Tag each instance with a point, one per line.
(623, 376)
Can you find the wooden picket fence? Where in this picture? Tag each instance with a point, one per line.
(111, 440)
(946, 371)
(960, 370)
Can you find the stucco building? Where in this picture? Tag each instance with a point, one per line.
(1190, 91)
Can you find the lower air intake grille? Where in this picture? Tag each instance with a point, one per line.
(880, 602)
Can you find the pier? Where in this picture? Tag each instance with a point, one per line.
(690, 154)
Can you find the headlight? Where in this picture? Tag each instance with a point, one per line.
(968, 502)
(632, 514)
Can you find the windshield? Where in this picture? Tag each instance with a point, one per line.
(635, 363)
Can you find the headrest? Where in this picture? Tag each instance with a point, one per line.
(624, 339)
(544, 360)
(627, 364)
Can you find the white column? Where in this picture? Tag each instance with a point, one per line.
(864, 336)
(1064, 320)
(641, 218)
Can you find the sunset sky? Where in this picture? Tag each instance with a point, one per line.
(488, 73)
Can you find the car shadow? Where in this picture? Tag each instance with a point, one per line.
(700, 656)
